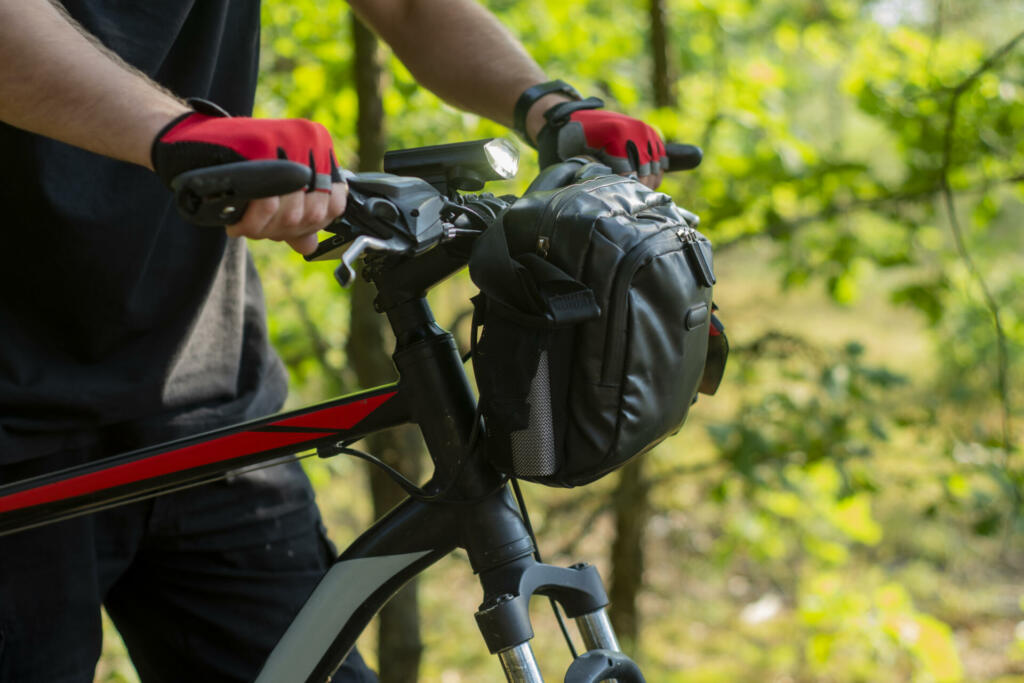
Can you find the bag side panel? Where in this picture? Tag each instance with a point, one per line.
(665, 355)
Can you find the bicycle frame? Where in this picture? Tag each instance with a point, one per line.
(477, 514)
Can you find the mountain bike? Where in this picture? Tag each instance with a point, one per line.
(412, 228)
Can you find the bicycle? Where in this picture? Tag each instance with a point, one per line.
(413, 231)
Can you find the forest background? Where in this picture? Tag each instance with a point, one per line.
(848, 507)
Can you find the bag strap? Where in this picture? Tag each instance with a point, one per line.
(529, 289)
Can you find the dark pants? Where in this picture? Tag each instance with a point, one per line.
(200, 583)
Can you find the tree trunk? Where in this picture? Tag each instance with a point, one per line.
(661, 75)
(399, 643)
(631, 503)
(368, 75)
(631, 507)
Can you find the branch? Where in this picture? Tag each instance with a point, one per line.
(774, 343)
(868, 204)
(988, 64)
(568, 548)
(668, 476)
(991, 304)
(1002, 355)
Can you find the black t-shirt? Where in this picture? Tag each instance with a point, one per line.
(114, 311)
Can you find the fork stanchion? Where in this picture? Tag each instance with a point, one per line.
(520, 664)
(597, 632)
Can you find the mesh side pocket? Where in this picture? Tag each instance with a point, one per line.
(533, 448)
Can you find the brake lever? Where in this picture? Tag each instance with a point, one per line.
(362, 214)
(345, 273)
(386, 214)
(385, 207)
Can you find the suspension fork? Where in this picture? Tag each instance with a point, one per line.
(501, 552)
(504, 622)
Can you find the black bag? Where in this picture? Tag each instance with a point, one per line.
(595, 304)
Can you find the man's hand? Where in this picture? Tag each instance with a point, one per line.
(566, 128)
(294, 218)
(209, 138)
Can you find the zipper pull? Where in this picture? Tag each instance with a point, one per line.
(699, 265)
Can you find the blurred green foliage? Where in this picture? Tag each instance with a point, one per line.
(851, 509)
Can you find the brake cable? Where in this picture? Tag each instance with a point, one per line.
(536, 554)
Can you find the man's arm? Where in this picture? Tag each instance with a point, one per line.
(60, 82)
(461, 52)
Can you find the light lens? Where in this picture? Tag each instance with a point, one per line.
(503, 157)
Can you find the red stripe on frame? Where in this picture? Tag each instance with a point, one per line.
(218, 450)
(345, 416)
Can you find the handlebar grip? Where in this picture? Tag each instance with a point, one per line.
(219, 195)
(683, 157)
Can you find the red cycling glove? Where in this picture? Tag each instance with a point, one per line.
(619, 141)
(210, 137)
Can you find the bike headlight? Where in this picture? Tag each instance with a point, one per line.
(503, 157)
(456, 166)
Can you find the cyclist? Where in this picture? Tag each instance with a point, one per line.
(122, 326)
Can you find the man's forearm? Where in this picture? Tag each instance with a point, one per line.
(57, 82)
(460, 51)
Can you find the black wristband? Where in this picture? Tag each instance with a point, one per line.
(531, 95)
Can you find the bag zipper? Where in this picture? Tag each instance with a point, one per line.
(699, 266)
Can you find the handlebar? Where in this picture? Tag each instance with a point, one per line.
(683, 157)
(385, 214)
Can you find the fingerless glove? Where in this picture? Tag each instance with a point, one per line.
(209, 137)
(582, 128)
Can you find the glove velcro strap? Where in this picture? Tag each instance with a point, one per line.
(558, 115)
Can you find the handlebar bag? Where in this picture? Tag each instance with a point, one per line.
(594, 311)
